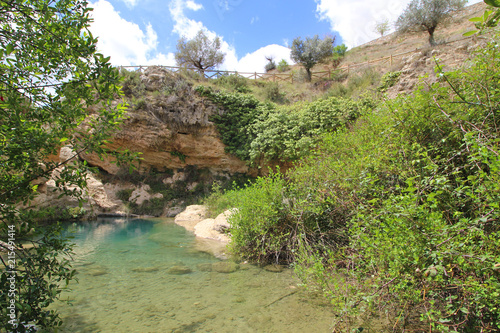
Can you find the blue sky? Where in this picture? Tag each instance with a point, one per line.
(145, 32)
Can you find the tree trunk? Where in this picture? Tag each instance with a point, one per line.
(309, 75)
(432, 41)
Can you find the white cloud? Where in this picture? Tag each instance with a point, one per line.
(254, 19)
(183, 26)
(130, 3)
(355, 19)
(193, 5)
(125, 41)
(256, 61)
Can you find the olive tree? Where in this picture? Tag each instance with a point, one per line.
(311, 51)
(382, 27)
(426, 15)
(201, 52)
(55, 90)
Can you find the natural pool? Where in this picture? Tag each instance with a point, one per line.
(149, 276)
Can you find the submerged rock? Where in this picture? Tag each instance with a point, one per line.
(97, 271)
(145, 269)
(179, 270)
(274, 268)
(206, 267)
(225, 267)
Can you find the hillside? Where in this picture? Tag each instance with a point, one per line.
(394, 215)
(184, 150)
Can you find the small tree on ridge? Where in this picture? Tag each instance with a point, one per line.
(382, 27)
(310, 51)
(201, 52)
(426, 15)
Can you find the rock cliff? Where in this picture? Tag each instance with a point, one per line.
(169, 125)
(181, 154)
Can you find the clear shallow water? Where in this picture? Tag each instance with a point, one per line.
(127, 284)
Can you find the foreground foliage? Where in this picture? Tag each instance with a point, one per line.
(398, 214)
(50, 77)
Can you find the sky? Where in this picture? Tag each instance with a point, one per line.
(145, 32)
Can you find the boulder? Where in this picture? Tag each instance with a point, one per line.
(191, 216)
(215, 228)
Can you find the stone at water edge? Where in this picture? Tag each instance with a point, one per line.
(191, 216)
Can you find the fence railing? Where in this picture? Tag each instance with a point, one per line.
(292, 77)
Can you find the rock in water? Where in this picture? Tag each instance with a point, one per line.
(179, 270)
(145, 269)
(274, 268)
(225, 267)
(205, 267)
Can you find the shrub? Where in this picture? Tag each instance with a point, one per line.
(132, 85)
(233, 82)
(270, 66)
(274, 94)
(388, 80)
(283, 66)
(124, 195)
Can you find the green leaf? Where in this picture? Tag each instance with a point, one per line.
(9, 49)
(476, 19)
(470, 33)
(63, 139)
(494, 3)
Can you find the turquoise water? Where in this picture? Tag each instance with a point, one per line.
(151, 276)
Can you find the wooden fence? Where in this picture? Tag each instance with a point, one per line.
(291, 77)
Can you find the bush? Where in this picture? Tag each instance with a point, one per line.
(124, 195)
(274, 94)
(270, 66)
(388, 80)
(235, 83)
(132, 86)
(283, 66)
(253, 130)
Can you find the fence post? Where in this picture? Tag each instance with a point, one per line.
(391, 59)
(274, 77)
(291, 77)
(348, 69)
(255, 75)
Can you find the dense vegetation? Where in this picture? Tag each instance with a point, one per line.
(396, 213)
(256, 131)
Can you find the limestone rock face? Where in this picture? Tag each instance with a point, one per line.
(98, 198)
(171, 129)
(141, 194)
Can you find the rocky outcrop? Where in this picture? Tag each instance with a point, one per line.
(98, 198)
(171, 129)
(141, 194)
(215, 229)
(191, 216)
(421, 64)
